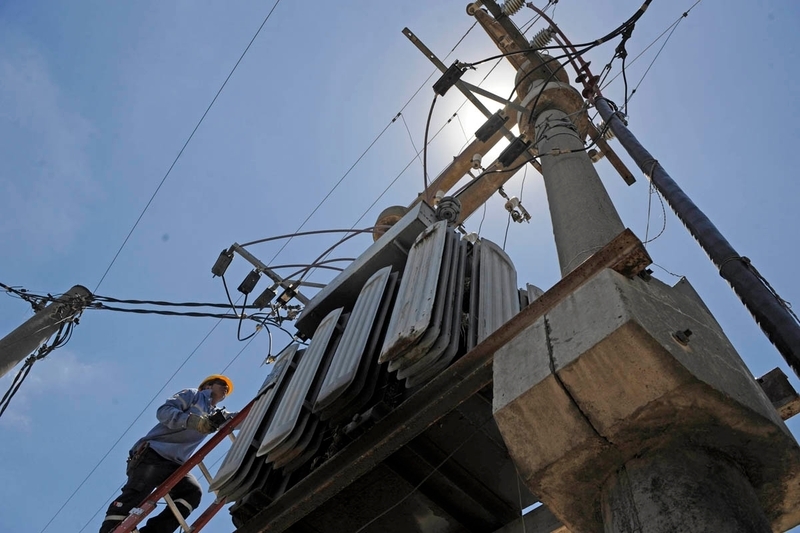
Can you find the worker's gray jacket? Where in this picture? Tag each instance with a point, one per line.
(170, 438)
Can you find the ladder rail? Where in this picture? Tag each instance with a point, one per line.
(137, 514)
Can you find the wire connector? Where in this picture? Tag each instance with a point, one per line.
(249, 283)
(491, 126)
(222, 263)
(449, 78)
(513, 151)
(265, 298)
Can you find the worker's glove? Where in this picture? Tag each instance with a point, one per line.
(201, 424)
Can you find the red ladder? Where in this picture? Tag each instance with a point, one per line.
(137, 514)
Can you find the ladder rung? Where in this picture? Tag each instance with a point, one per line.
(206, 473)
(177, 513)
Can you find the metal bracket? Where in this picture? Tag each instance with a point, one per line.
(253, 260)
(467, 89)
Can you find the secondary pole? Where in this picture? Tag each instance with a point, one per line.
(34, 332)
(771, 313)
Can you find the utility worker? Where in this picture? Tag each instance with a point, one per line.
(183, 422)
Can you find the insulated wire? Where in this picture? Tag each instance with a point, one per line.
(521, 188)
(296, 234)
(175, 161)
(425, 148)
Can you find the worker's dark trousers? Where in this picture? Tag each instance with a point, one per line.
(146, 476)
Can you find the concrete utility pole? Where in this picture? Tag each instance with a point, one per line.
(625, 407)
(34, 332)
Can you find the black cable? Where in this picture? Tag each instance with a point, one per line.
(175, 161)
(239, 326)
(632, 20)
(508, 225)
(670, 27)
(321, 264)
(296, 234)
(104, 307)
(228, 293)
(652, 191)
(625, 82)
(483, 217)
(306, 271)
(163, 303)
(425, 148)
(16, 383)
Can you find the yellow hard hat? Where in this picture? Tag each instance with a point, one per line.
(212, 377)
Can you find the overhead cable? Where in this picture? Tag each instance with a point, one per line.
(302, 225)
(185, 144)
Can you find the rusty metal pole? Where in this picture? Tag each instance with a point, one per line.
(776, 321)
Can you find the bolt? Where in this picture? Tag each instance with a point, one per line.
(682, 336)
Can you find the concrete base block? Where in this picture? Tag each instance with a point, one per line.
(625, 368)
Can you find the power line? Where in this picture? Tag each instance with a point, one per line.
(670, 27)
(191, 135)
(399, 114)
(397, 177)
(685, 14)
(133, 228)
(410, 137)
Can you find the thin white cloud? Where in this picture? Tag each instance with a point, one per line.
(62, 374)
(45, 174)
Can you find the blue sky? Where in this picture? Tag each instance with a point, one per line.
(97, 98)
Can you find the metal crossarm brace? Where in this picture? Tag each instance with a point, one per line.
(253, 260)
(467, 88)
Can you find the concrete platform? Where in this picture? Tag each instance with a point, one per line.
(626, 368)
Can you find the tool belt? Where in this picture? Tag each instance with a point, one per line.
(135, 457)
